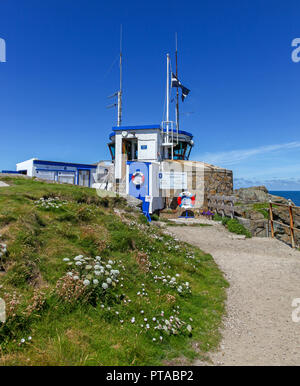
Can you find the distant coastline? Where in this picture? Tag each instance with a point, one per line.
(294, 195)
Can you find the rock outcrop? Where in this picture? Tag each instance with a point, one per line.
(253, 194)
(252, 211)
(133, 202)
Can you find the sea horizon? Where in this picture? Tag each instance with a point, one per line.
(294, 195)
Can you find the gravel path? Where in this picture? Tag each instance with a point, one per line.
(264, 277)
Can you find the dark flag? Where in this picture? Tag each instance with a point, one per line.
(185, 93)
(176, 83)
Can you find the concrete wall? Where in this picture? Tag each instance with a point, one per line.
(26, 165)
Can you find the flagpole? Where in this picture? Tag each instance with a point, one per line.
(168, 96)
(177, 93)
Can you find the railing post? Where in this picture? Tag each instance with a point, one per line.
(271, 218)
(292, 224)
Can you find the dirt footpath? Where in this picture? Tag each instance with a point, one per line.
(264, 277)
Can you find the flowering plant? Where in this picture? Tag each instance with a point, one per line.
(88, 278)
(3, 249)
(50, 203)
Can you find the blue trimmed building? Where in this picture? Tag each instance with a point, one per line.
(142, 155)
(63, 172)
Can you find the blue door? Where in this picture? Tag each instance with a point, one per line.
(139, 183)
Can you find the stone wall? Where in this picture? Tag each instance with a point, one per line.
(202, 180)
(218, 181)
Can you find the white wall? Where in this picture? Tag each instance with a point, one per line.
(150, 140)
(157, 202)
(26, 165)
(144, 138)
(118, 156)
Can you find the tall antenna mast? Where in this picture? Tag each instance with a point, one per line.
(120, 91)
(177, 94)
(168, 91)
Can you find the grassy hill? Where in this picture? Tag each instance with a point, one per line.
(88, 282)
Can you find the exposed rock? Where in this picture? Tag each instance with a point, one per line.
(240, 211)
(237, 237)
(281, 214)
(279, 200)
(253, 194)
(261, 187)
(133, 202)
(254, 215)
(258, 228)
(255, 221)
(244, 221)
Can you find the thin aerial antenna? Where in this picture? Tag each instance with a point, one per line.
(120, 91)
(118, 94)
(177, 93)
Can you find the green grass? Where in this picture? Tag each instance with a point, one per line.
(263, 208)
(154, 217)
(85, 333)
(233, 225)
(217, 217)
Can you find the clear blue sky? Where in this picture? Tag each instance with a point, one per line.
(235, 56)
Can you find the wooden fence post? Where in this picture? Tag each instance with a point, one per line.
(271, 218)
(292, 224)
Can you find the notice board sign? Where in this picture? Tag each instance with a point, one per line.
(173, 180)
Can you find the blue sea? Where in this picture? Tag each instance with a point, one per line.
(293, 195)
